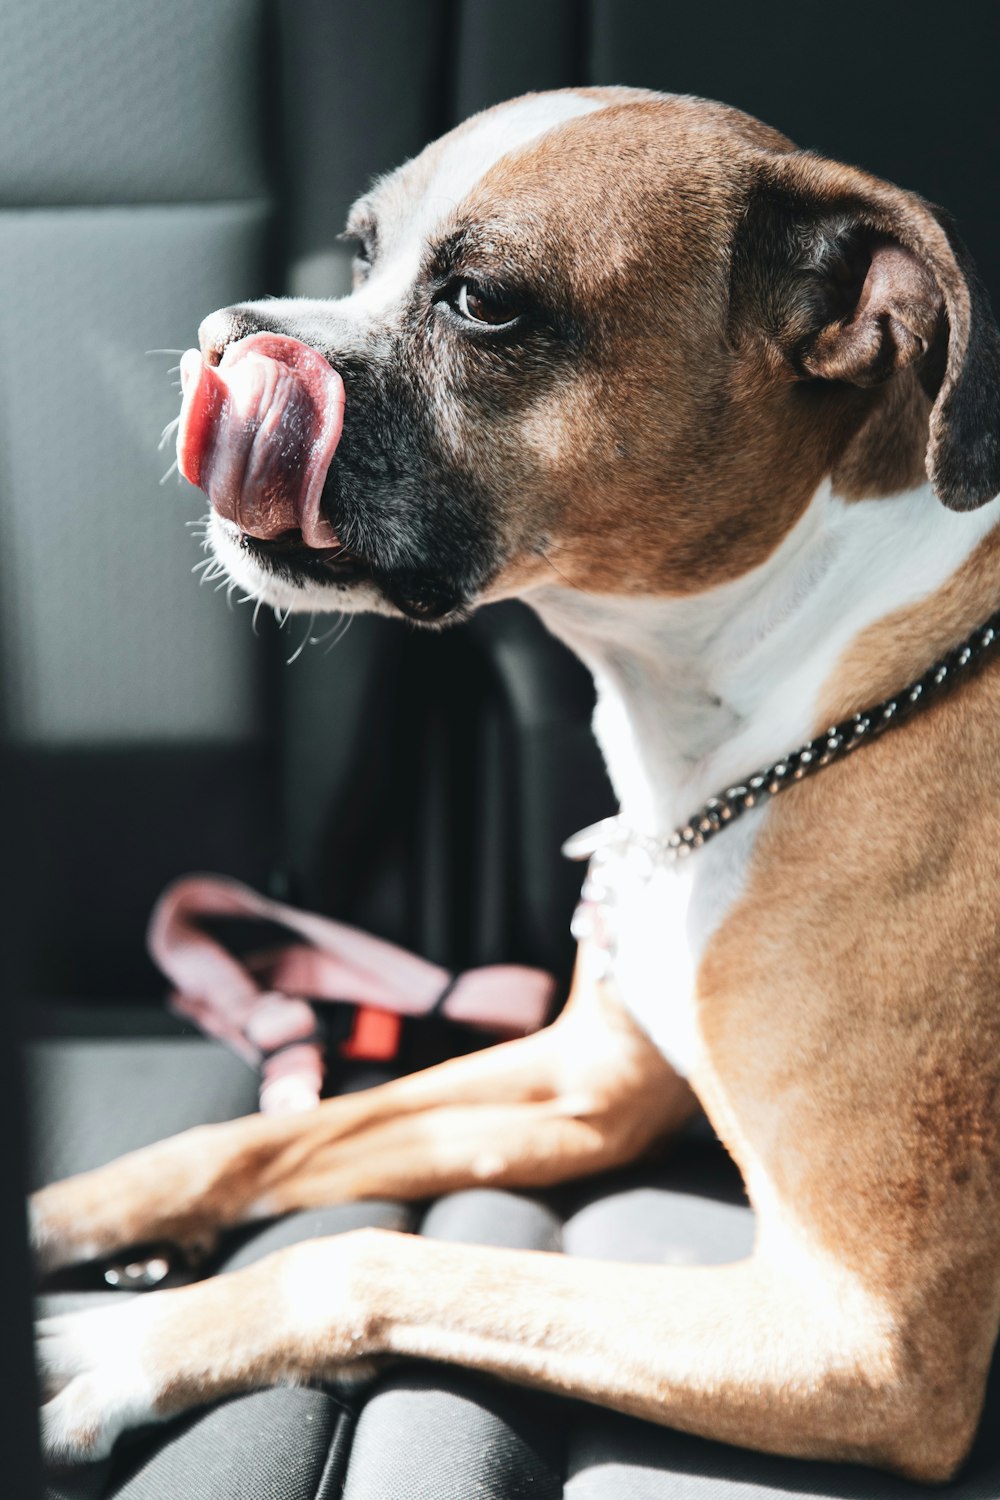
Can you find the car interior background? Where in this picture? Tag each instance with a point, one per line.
(162, 158)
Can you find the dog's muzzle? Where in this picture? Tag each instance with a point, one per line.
(258, 433)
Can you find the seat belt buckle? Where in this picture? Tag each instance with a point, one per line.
(375, 1036)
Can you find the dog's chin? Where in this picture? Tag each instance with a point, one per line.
(286, 577)
(289, 576)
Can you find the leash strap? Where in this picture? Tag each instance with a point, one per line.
(257, 1006)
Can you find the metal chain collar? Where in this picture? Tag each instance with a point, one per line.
(612, 838)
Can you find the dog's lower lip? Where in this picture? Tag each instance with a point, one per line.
(289, 554)
(291, 541)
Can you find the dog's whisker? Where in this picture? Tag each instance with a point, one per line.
(210, 570)
(319, 640)
(256, 615)
(349, 621)
(169, 474)
(168, 433)
(304, 641)
(164, 351)
(339, 631)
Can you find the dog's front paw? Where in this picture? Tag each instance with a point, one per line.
(299, 1314)
(157, 1195)
(58, 1228)
(93, 1373)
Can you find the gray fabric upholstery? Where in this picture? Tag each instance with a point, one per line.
(329, 159)
(95, 1099)
(143, 101)
(91, 518)
(90, 1483)
(277, 1444)
(136, 185)
(312, 1224)
(427, 1433)
(133, 198)
(489, 1216)
(654, 1224)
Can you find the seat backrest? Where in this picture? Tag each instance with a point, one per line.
(134, 195)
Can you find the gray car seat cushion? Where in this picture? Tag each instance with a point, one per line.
(96, 1098)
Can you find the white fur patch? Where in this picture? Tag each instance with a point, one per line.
(496, 134)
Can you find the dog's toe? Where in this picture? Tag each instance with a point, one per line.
(77, 1425)
(91, 1373)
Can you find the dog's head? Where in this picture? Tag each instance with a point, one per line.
(603, 337)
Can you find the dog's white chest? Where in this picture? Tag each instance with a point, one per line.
(654, 966)
(695, 693)
(659, 922)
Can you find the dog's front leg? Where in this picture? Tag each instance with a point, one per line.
(587, 1093)
(745, 1353)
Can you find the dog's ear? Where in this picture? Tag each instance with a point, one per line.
(854, 280)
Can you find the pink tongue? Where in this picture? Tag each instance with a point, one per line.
(258, 433)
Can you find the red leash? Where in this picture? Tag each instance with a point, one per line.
(257, 1005)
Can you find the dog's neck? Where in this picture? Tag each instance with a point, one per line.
(694, 694)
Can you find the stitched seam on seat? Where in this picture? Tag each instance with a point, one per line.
(334, 1475)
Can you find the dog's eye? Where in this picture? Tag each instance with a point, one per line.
(478, 305)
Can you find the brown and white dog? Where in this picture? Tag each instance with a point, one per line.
(698, 397)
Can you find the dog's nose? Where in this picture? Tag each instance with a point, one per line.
(220, 329)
